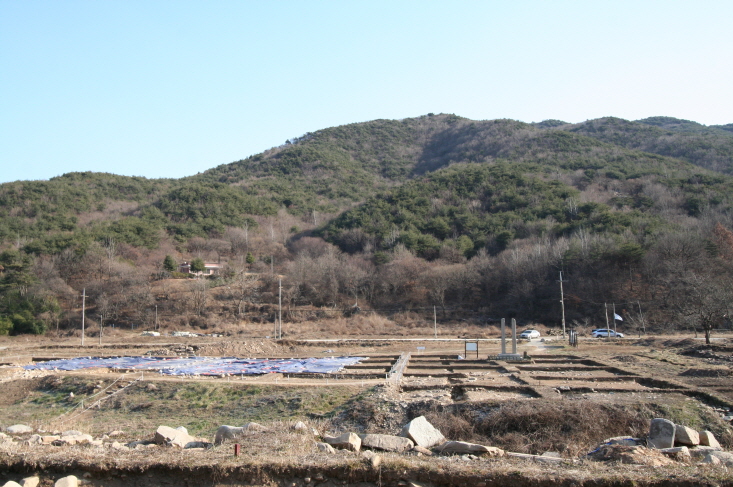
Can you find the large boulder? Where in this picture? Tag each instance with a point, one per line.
(165, 435)
(226, 432)
(686, 436)
(422, 433)
(18, 429)
(386, 442)
(10, 483)
(661, 433)
(70, 481)
(461, 447)
(708, 439)
(30, 481)
(346, 441)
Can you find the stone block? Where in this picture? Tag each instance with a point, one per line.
(166, 435)
(422, 433)
(462, 447)
(708, 439)
(661, 433)
(346, 441)
(386, 442)
(685, 436)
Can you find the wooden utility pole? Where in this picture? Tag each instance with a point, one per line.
(83, 312)
(435, 322)
(155, 327)
(608, 335)
(280, 308)
(643, 325)
(562, 305)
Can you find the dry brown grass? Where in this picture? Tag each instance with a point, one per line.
(569, 427)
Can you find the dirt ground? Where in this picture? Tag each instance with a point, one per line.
(677, 376)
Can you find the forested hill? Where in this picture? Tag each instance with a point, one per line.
(333, 169)
(601, 197)
(709, 147)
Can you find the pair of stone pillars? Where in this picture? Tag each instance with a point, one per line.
(514, 353)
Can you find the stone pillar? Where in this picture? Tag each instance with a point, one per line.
(503, 336)
(514, 336)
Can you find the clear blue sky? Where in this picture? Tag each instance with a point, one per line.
(171, 88)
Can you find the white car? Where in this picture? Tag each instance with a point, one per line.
(529, 334)
(604, 333)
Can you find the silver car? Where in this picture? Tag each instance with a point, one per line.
(605, 333)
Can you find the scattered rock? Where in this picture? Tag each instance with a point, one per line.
(347, 441)
(116, 445)
(47, 440)
(424, 451)
(551, 454)
(374, 460)
(10, 483)
(708, 439)
(18, 429)
(680, 453)
(72, 433)
(462, 447)
(34, 439)
(711, 460)
(72, 440)
(637, 455)
(719, 458)
(661, 433)
(622, 440)
(226, 432)
(386, 442)
(535, 458)
(166, 435)
(182, 428)
(300, 426)
(30, 481)
(199, 445)
(422, 433)
(699, 452)
(686, 436)
(70, 481)
(325, 448)
(151, 387)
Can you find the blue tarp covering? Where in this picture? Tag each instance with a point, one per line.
(203, 365)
